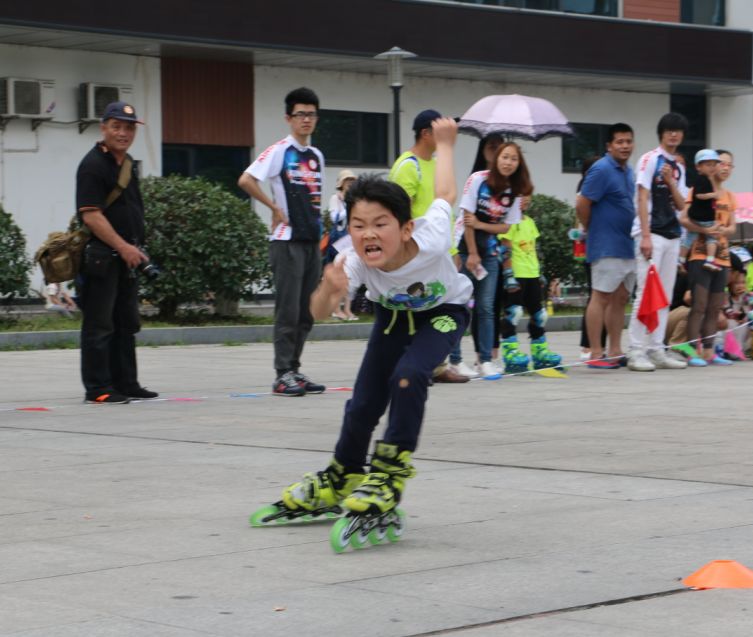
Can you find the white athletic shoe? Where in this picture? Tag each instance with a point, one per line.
(489, 371)
(639, 362)
(464, 370)
(660, 359)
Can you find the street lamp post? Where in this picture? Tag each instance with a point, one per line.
(395, 57)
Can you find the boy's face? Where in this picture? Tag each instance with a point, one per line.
(671, 138)
(378, 238)
(303, 119)
(707, 168)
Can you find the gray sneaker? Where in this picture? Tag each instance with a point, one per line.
(639, 362)
(660, 359)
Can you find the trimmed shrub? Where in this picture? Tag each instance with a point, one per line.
(207, 242)
(554, 218)
(15, 265)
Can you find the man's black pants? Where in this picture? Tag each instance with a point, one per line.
(110, 309)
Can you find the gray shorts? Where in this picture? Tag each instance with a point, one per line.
(607, 274)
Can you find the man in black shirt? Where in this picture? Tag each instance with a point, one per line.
(109, 285)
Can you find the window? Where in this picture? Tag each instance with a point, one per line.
(586, 7)
(590, 140)
(694, 108)
(220, 164)
(711, 12)
(351, 138)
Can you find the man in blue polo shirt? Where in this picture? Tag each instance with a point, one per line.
(605, 207)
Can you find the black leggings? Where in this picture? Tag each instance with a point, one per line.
(707, 289)
(583, 330)
(529, 297)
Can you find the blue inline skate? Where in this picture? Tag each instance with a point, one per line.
(516, 361)
(542, 356)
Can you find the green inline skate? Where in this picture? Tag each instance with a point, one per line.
(316, 497)
(373, 516)
(542, 356)
(516, 361)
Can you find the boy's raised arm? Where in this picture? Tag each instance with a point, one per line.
(333, 286)
(445, 133)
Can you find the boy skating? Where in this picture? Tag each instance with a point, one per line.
(420, 314)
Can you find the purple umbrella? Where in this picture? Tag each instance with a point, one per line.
(514, 116)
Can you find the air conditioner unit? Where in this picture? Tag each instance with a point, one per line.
(93, 98)
(31, 99)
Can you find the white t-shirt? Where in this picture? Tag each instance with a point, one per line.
(296, 175)
(427, 280)
(648, 175)
(338, 215)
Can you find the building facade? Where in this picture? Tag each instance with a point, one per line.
(209, 81)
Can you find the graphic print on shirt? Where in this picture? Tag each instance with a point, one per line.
(416, 296)
(302, 181)
(664, 220)
(489, 209)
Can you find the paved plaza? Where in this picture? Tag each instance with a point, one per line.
(542, 507)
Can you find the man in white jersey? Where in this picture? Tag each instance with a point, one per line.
(294, 170)
(661, 193)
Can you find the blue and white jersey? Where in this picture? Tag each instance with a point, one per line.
(295, 174)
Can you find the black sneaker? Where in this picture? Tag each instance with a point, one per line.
(309, 385)
(111, 398)
(287, 385)
(139, 393)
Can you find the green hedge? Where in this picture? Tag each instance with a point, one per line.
(15, 265)
(207, 242)
(554, 218)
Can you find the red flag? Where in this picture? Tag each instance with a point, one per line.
(654, 299)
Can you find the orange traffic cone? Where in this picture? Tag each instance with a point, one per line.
(720, 574)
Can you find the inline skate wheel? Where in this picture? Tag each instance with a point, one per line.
(397, 526)
(358, 540)
(338, 538)
(377, 535)
(262, 516)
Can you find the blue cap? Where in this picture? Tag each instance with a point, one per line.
(424, 119)
(121, 111)
(706, 155)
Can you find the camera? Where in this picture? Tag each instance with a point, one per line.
(149, 270)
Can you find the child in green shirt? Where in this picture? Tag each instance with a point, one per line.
(523, 290)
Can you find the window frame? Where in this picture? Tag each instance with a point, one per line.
(602, 131)
(356, 160)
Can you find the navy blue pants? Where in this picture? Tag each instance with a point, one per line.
(395, 371)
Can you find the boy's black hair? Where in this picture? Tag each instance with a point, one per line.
(372, 187)
(672, 121)
(615, 129)
(301, 95)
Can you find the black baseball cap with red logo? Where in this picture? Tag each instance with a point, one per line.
(122, 111)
